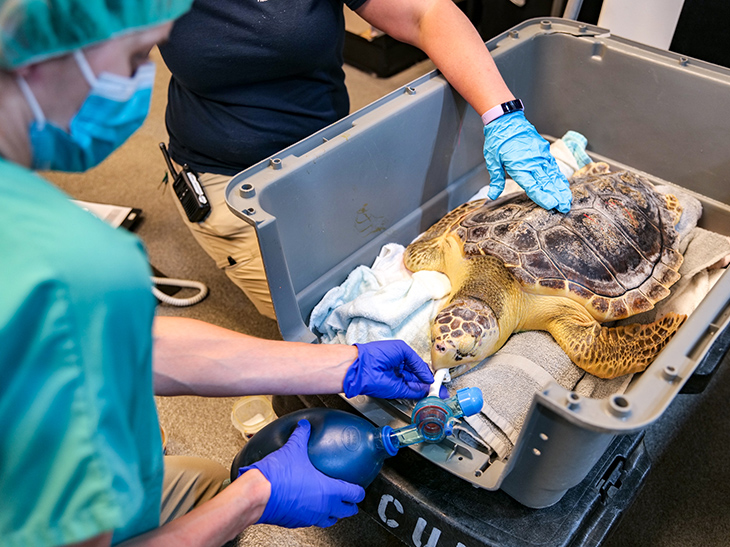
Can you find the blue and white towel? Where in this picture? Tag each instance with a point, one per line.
(383, 302)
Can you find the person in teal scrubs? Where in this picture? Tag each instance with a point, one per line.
(81, 352)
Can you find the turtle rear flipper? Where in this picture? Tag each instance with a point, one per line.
(609, 352)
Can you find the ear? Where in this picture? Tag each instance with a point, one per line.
(26, 71)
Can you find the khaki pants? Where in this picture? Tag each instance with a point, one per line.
(189, 481)
(231, 242)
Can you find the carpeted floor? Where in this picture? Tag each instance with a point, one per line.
(686, 501)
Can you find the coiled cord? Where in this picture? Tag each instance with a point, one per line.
(182, 283)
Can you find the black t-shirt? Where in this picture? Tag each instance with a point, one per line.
(251, 77)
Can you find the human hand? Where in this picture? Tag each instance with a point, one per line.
(389, 369)
(513, 143)
(300, 494)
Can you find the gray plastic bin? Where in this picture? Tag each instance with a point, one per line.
(387, 172)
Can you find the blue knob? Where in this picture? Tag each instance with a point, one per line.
(470, 400)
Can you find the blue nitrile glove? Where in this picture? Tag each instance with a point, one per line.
(388, 369)
(513, 142)
(300, 494)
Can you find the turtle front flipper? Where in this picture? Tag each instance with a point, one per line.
(609, 352)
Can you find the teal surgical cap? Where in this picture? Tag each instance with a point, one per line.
(35, 30)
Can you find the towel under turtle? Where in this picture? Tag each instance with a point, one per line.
(514, 266)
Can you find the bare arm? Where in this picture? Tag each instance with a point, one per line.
(446, 35)
(211, 524)
(216, 521)
(196, 358)
(102, 540)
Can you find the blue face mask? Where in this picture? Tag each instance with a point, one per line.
(114, 109)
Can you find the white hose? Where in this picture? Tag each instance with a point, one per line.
(183, 283)
(440, 376)
(572, 9)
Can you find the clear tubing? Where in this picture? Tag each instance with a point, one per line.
(406, 436)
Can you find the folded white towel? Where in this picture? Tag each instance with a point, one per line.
(570, 152)
(382, 302)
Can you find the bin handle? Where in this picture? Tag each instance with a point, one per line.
(710, 351)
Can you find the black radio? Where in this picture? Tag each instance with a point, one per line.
(187, 189)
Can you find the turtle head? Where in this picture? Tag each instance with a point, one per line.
(463, 333)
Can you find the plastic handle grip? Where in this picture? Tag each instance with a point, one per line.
(710, 351)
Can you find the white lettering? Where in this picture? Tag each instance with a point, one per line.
(418, 534)
(384, 501)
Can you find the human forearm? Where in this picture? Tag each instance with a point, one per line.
(447, 36)
(512, 145)
(215, 522)
(196, 358)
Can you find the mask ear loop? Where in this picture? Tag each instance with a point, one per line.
(85, 68)
(35, 108)
(30, 98)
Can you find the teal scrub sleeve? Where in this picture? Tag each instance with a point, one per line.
(80, 448)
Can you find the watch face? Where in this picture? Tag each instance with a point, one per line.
(512, 106)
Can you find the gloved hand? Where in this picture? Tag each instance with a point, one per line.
(513, 142)
(300, 494)
(388, 369)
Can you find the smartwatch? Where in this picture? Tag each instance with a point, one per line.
(502, 109)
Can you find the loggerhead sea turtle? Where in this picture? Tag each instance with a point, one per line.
(514, 266)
